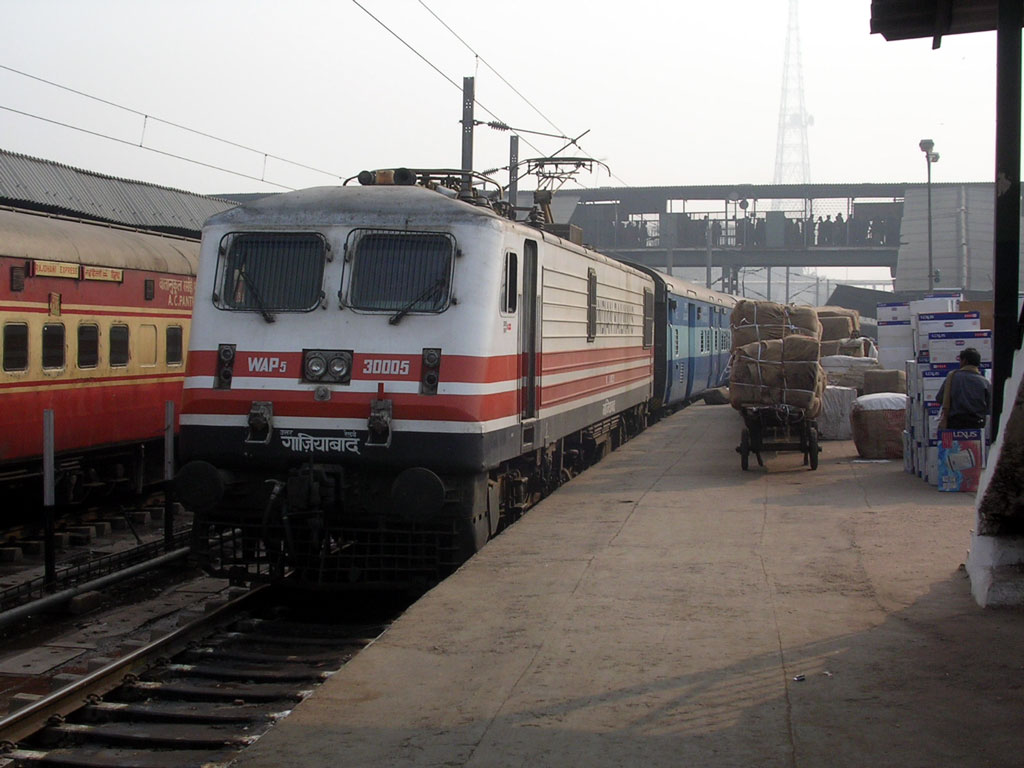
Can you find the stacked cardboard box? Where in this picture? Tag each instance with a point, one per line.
(940, 331)
(895, 334)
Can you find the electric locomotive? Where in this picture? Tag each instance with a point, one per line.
(382, 376)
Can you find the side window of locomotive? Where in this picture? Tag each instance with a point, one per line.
(145, 345)
(174, 345)
(16, 347)
(119, 345)
(53, 345)
(648, 318)
(400, 271)
(270, 272)
(510, 284)
(591, 304)
(88, 346)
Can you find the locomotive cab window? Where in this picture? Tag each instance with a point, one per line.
(88, 346)
(16, 347)
(119, 345)
(270, 272)
(400, 271)
(174, 345)
(509, 286)
(53, 345)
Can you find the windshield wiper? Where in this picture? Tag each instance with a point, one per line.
(431, 289)
(256, 295)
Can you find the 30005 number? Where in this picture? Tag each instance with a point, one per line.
(384, 367)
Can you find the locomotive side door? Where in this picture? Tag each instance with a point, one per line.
(693, 368)
(528, 327)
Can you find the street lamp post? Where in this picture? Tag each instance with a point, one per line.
(927, 145)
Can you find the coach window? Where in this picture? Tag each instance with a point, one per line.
(174, 346)
(145, 345)
(119, 345)
(16, 347)
(53, 345)
(88, 346)
(510, 284)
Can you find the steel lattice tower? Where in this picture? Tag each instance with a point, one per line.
(792, 158)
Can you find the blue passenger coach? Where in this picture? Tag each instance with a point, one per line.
(691, 339)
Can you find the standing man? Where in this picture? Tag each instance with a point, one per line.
(966, 395)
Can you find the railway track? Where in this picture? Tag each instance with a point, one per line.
(194, 697)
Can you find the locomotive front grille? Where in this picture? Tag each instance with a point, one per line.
(395, 555)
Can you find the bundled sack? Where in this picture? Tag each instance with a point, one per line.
(763, 320)
(836, 407)
(853, 314)
(852, 348)
(847, 347)
(777, 372)
(878, 422)
(885, 381)
(830, 347)
(846, 371)
(834, 328)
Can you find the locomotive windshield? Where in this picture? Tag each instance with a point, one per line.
(400, 271)
(270, 272)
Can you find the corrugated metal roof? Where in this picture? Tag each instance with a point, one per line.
(44, 185)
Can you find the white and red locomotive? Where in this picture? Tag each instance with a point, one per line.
(380, 377)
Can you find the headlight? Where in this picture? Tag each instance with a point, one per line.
(315, 366)
(339, 366)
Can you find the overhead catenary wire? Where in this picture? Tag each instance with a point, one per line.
(89, 132)
(431, 64)
(148, 117)
(501, 77)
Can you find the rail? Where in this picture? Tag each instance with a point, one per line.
(61, 703)
(89, 570)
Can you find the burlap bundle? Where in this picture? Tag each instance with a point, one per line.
(851, 348)
(885, 381)
(777, 372)
(877, 434)
(853, 314)
(753, 321)
(835, 328)
(830, 347)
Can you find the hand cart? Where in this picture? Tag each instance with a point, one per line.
(777, 428)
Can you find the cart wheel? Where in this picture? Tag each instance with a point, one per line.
(812, 447)
(745, 449)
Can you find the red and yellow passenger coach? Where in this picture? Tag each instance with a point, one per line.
(95, 324)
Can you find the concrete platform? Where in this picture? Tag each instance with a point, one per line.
(668, 609)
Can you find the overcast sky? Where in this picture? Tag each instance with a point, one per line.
(682, 92)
